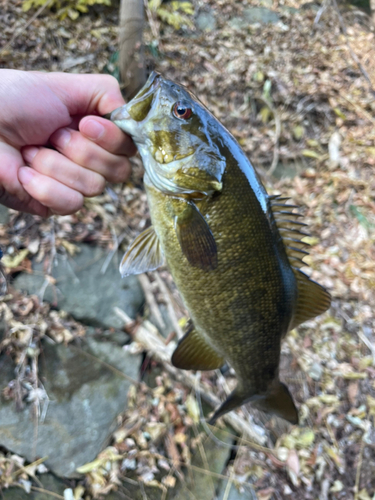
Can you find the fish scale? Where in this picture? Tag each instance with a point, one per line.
(233, 251)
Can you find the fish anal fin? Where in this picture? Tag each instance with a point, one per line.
(143, 255)
(312, 299)
(196, 239)
(279, 402)
(193, 353)
(234, 400)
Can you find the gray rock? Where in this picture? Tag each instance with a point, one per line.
(4, 215)
(316, 371)
(199, 484)
(206, 21)
(234, 494)
(82, 290)
(253, 15)
(86, 396)
(260, 15)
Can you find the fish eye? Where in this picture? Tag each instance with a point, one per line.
(181, 111)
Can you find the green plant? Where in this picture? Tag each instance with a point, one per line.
(65, 8)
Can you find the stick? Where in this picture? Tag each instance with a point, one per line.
(172, 315)
(150, 299)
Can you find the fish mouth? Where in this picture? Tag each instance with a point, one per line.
(138, 108)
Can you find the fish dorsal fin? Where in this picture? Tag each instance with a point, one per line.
(291, 231)
(196, 239)
(143, 255)
(312, 299)
(193, 353)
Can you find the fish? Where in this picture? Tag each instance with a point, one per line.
(235, 253)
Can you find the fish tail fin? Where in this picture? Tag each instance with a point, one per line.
(279, 402)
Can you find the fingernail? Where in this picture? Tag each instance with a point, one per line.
(29, 153)
(25, 175)
(61, 138)
(93, 129)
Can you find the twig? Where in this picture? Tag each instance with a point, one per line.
(150, 299)
(147, 335)
(107, 365)
(367, 343)
(116, 243)
(323, 7)
(275, 159)
(46, 492)
(358, 472)
(151, 21)
(171, 312)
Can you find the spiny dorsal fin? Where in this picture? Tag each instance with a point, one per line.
(143, 255)
(290, 230)
(193, 353)
(312, 299)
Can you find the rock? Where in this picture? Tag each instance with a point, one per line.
(206, 21)
(316, 371)
(197, 484)
(85, 397)
(234, 494)
(4, 215)
(83, 291)
(260, 15)
(253, 15)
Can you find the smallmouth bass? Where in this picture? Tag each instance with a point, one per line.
(234, 252)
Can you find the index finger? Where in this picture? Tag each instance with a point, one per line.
(86, 94)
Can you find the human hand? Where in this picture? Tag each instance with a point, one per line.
(46, 109)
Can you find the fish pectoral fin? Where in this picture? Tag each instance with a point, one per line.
(279, 402)
(195, 238)
(193, 353)
(143, 255)
(312, 299)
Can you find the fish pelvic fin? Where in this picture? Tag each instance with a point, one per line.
(312, 299)
(193, 353)
(196, 239)
(143, 255)
(277, 400)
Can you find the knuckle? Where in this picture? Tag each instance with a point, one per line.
(120, 173)
(95, 186)
(110, 81)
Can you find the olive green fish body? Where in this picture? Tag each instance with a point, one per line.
(232, 250)
(243, 307)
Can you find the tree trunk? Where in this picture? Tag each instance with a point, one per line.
(131, 55)
(372, 7)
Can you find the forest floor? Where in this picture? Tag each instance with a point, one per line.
(298, 95)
